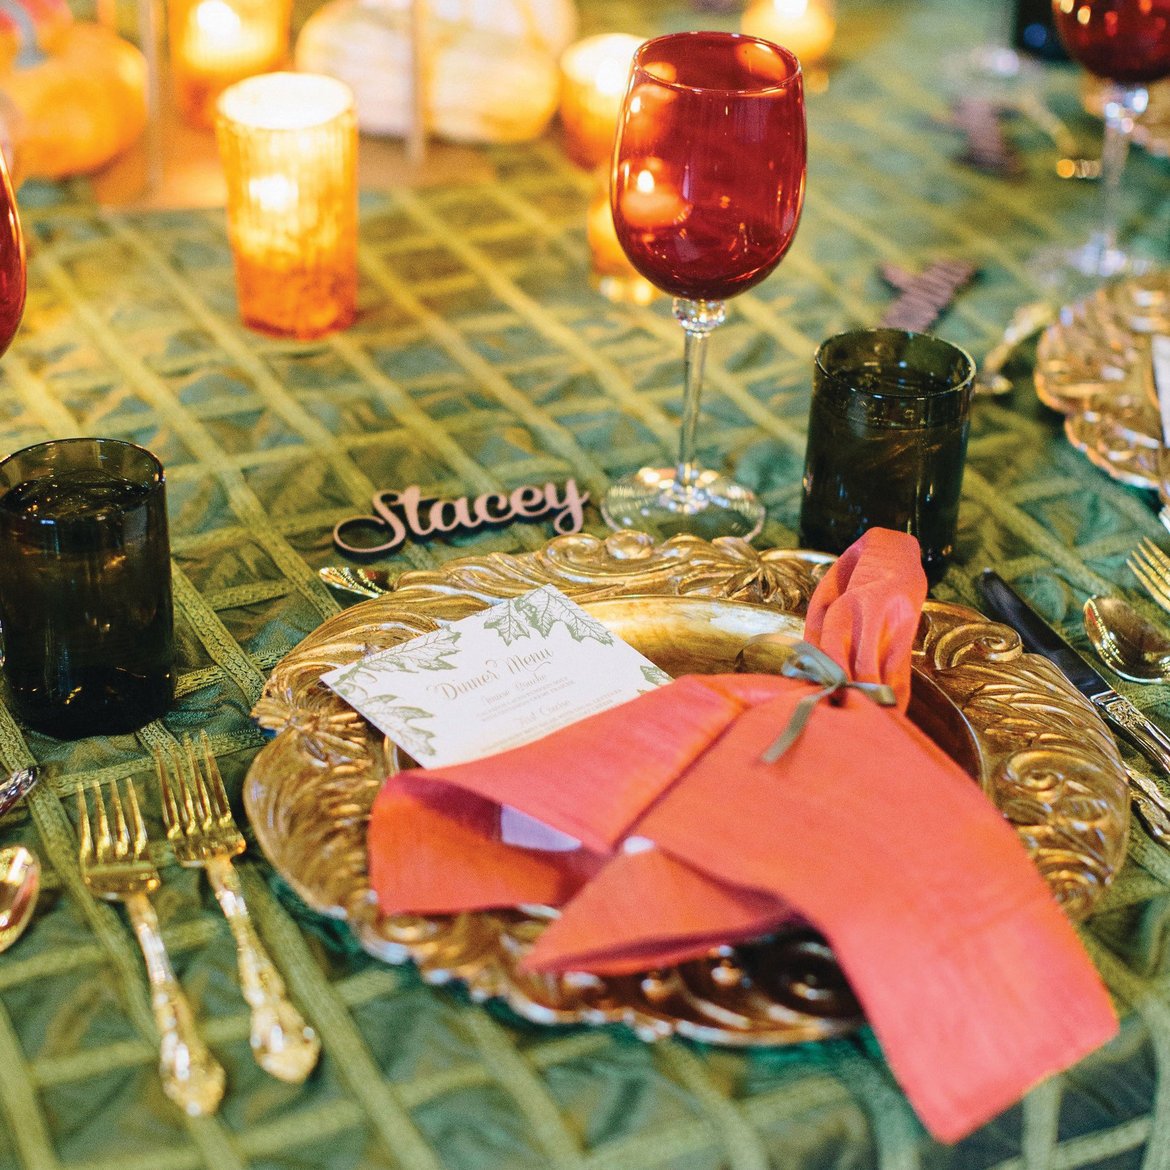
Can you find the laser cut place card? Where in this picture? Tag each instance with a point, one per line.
(503, 677)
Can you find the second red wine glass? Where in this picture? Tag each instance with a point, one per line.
(12, 261)
(707, 188)
(1126, 42)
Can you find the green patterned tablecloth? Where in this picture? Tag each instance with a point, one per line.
(483, 359)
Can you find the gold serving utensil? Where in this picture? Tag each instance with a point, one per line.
(359, 582)
(20, 883)
(116, 866)
(1070, 164)
(1028, 319)
(1151, 805)
(203, 835)
(1126, 641)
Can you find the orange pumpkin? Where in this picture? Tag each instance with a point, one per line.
(81, 106)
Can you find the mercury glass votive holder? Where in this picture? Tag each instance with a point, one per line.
(215, 43)
(594, 74)
(804, 27)
(288, 144)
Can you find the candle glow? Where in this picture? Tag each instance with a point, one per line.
(612, 273)
(215, 43)
(288, 143)
(652, 201)
(806, 27)
(594, 73)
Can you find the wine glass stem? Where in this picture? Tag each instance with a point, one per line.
(698, 318)
(1122, 105)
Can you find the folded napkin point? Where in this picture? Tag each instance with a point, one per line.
(864, 611)
(974, 982)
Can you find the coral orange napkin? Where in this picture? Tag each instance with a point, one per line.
(973, 980)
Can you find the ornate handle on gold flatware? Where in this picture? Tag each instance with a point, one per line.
(191, 1076)
(1151, 805)
(1142, 734)
(1152, 817)
(283, 1044)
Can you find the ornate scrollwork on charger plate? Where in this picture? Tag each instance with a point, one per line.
(1094, 365)
(1010, 718)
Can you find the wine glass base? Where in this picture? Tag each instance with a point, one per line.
(1073, 272)
(654, 500)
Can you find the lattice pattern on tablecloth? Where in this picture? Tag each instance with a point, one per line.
(483, 359)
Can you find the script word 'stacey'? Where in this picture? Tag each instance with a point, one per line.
(398, 514)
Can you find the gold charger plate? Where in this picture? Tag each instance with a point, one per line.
(1094, 366)
(1009, 718)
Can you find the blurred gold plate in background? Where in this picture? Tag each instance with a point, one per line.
(1094, 365)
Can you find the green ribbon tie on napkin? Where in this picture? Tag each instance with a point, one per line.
(805, 661)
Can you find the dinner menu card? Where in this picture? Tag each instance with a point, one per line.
(503, 677)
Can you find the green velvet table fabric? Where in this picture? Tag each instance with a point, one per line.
(482, 358)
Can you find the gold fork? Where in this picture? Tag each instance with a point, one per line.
(115, 866)
(203, 834)
(1151, 566)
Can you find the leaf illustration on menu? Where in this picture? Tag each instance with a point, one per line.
(509, 622)
(545, 608)
(401, 724)
(360, 683)
(426, 652)
(654, 675)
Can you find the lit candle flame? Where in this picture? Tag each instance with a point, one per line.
(217, 20)
(806, 27)
(274, 194)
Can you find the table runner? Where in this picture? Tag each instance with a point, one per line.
(482, 358)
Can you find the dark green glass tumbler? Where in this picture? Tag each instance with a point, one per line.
(887, 440)
(85, 587)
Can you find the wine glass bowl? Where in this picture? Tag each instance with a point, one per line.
(706, 190)
(1126, 42)
(12, 262)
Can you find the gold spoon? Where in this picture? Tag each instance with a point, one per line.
(1128, 643)
(20, 883)
(364, 583)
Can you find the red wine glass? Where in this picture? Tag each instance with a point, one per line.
(1126, 42)
(12, 264)
(706, 189)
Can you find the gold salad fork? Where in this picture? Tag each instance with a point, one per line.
(115, 866)
(1151, 566)
(203, 834)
